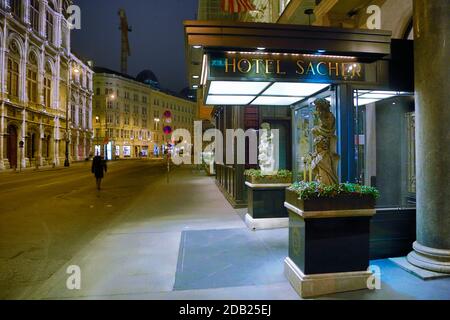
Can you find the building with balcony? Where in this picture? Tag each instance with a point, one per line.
(129, 115)
(45, 90)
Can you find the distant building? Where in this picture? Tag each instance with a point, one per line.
(37, 67)
(128, 115)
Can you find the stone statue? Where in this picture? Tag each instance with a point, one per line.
(266, 156)
(324, 158)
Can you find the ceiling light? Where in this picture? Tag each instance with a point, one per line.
(196, 47)
(294, 89)
(276, 101)
(221, 100)
(195, 77)
(237, 87)
(195, 86)
(362, 102)
(376, 96)
(261, 48)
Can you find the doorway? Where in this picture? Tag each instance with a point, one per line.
(11, 147)
(285, 146)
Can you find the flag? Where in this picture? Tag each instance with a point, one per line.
(237, 6)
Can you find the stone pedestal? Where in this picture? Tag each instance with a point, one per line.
(328, 250)
(266, 206)
(431, 52)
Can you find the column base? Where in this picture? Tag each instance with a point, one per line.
(262, 224)
(436, 260)
(309, 286)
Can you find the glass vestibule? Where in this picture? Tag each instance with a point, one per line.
(384, 141)
(304, 121)
(385, 145)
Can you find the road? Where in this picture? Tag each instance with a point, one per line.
(48, 216)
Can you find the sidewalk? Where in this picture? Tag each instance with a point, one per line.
(183, 240)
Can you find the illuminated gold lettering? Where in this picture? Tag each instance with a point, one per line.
(279, 68)
(344, 69)
(301, 69)
(269, 63)
(310, 69)
(357, 70)
(242, 70)
(318, 68)
(227, 64)
(331, 68)
(257, 63)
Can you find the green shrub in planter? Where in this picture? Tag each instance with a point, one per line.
(256, 177)
(314, 196)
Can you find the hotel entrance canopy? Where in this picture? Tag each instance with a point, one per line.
(273, 64)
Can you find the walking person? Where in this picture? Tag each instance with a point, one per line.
(98, 169)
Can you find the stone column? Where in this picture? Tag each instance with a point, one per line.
(432, 38)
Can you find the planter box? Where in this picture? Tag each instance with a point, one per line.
(266, 208)
(346, 202)
(328, 243)
(268, 180)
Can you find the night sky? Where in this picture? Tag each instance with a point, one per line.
(157, 40)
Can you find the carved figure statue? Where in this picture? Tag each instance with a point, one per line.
(266, 156)
(324, 158)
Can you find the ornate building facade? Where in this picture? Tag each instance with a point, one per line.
(128, 115)
(42, 84)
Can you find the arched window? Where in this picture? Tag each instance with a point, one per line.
(13, 72)
(32, 83)
(16, 8)
(34, 15)
(47, 86)
(65, 6)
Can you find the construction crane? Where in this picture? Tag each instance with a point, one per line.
(126, 52)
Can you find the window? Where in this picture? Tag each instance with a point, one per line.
(110, 118)
(47, 86)
(16, 8)
(80, 117)
(34, 14)
(72, 113)
(49, 27)
(32, 79)
(13, 72)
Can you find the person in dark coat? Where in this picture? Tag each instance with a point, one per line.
(98, 169)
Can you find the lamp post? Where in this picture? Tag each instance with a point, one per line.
(157, 120)
(76, 71)
(106, 141)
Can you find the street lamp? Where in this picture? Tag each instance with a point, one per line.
(75, 70)
(108, 98)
